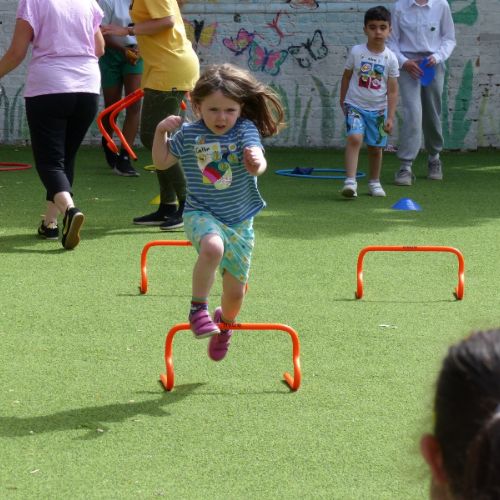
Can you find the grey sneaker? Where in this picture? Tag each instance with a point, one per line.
(404, 177)
(435, 170)
(350, 189)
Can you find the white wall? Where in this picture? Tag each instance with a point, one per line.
(308, 82)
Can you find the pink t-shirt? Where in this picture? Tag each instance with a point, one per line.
(63, 56)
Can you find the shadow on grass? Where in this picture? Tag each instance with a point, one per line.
(94, 419)
(25, 243)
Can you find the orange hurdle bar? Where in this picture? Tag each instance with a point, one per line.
(170, 243)
(118, 106)
(167, 379)
(459, 291)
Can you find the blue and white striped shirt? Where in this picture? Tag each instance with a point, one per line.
(217, 180)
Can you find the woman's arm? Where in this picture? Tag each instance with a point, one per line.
(150, 27)
(21, 39)
(99, 43)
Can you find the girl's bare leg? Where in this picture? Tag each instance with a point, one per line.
(209, 257)
(233, 293)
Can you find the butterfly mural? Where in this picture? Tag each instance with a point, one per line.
(199, 34)
(312, 49)
(262, 59)
(239, 44)
(308, 4)
(274, 25)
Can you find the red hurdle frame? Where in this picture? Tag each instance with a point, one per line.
(459, 290)
(144, 272)
(168, 379)
(7, 166)
(114, 109)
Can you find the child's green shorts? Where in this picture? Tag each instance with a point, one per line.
(238, 241)
(114, 66)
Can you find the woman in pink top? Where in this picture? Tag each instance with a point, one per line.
(61, 96)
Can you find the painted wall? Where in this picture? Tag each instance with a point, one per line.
(299, 47)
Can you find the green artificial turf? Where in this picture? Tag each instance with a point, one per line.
(82, 414)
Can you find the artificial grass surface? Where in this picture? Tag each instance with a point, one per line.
(82, 414)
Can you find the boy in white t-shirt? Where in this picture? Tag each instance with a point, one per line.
(368, 98)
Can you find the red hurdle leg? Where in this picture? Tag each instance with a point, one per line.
(167, 379)
(144, 274)
(459, 290)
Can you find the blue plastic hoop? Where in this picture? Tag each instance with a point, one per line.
(294, 172)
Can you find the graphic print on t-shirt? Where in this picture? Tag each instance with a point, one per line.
(214, 161)
(370, 75)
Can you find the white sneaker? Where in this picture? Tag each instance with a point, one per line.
(375, 189)
(435, 170)
(350, 189)
(404, 177)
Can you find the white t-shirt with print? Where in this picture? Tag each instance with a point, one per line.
(370, 71)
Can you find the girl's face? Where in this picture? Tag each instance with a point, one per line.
(219, 112)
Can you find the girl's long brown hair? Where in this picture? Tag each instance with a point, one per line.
(260, 103)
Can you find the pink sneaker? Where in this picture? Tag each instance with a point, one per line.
(219, 344)
(202, 325)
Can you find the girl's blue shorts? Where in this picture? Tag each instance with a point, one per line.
(238, 241)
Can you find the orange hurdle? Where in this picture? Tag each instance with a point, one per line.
(144, 273)
(459, 290)
(125, 103)
(167, 379)
(114, 109)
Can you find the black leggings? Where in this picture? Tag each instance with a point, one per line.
(58, 123)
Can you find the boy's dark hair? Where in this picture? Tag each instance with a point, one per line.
(379, 13)
(467, 416)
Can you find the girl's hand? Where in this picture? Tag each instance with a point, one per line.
(388, 125)
(169, 124)
(254, 161)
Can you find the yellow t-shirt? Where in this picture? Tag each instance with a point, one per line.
(170, 63)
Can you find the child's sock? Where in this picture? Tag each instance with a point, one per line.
(374, 181)
(350, 180)
(434, 157)
(198, 303)
(227, 321)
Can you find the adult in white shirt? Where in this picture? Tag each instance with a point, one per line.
(421, 29)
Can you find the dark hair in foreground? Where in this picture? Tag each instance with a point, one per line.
(467, 416)
(260, 103)
(379, 13)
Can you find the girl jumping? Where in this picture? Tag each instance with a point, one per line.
(221, 155)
